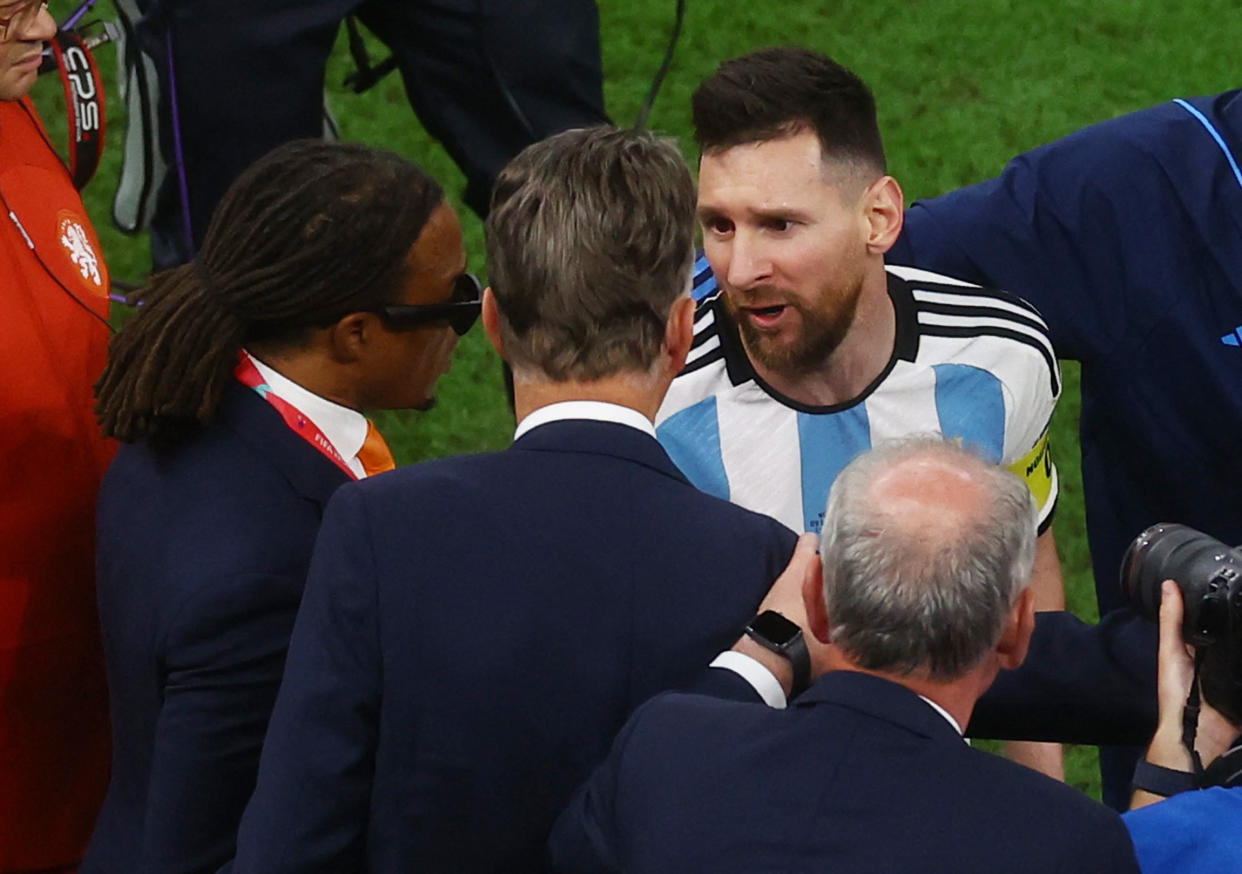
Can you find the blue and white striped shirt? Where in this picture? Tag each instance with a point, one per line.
(968, 362)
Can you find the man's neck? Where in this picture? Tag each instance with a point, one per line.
(957, 697)
(856, 363)
(638, 392)
(313, 372)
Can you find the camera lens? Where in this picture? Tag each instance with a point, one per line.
(1194, 561)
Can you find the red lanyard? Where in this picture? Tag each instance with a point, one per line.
(248, 375)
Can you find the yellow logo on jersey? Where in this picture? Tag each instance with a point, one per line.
(1035, 469)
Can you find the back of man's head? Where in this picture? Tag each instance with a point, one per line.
(778, 92)
(926, 549)
(589, 242)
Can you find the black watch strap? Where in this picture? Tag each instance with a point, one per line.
(773, 631)
(1162, 781)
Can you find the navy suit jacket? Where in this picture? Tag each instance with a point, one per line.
(202, 556)
(859, 775)
(1127, 237)
(475, 631)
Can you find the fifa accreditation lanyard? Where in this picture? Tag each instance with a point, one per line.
(248, 375)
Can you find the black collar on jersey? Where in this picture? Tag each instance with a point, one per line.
(905, 348)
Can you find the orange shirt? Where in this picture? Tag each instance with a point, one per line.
(54, 736)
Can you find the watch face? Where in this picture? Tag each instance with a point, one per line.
(774, 627)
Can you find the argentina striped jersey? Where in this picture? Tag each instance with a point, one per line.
(968, 362)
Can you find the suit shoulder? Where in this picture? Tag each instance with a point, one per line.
(691, 716)
(1064, 810)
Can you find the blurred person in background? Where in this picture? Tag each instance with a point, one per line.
(485, 77)
(53, 338)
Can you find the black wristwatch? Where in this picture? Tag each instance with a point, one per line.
(773, 631)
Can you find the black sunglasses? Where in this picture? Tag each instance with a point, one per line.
(460, 311)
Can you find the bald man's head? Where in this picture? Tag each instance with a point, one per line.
(926, 548)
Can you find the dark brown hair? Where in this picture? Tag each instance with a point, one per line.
(778, 92)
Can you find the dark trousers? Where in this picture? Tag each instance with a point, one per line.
(486, 78)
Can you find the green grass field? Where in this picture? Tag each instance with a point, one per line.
(961, 84)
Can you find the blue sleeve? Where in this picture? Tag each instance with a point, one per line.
(1194, 831)
(1065, 226)
(310, 806)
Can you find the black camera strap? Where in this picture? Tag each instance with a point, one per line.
(1190, 718)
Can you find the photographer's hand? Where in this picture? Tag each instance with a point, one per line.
(1175, 673)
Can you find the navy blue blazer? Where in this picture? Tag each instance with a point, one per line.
(475, 631)
(202, 556)
(859, 775)
(1127, 237)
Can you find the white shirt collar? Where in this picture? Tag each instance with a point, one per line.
(345, 429)
(943, 712)
(597, 411)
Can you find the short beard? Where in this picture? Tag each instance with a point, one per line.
(821, 336)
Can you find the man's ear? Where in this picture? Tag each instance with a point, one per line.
(491, 321)
(813, 602)
(679, 333)
(346, 340)
(885, 211)
(1016, 640)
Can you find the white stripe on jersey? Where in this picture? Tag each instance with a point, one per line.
(760, 449)
(988, 382)
(927, 295)
(907, 412)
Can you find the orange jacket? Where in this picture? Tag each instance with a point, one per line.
(54, 736)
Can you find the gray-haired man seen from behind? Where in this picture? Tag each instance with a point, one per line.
(927, 554)
(475, 630)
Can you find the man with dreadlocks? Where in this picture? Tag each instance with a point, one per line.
(53, 293)
(330, 282)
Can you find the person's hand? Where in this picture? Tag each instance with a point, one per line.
(786, 597)
(1175, 662)
(1174, 676)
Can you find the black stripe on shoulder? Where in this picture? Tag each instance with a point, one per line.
(974, 291)
(969, 331)
(981, 310)
(699, 363)
(702, 337)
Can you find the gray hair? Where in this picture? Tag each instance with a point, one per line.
(589, 242)
(901, 599)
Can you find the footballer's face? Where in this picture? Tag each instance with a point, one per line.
(786, 235)
(404, 364)
(25, 26)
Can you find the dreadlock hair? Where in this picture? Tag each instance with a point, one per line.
(311, 232)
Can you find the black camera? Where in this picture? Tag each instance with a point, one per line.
(1209, 574)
